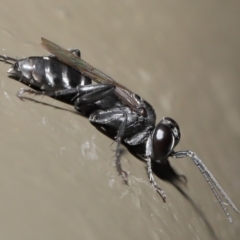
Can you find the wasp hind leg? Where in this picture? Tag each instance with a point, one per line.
(8, 60)
(83, 94)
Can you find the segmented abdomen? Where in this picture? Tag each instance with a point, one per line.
(48, 74)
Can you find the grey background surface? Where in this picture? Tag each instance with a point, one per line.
(57, 175)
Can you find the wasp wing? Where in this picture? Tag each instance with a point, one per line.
(124, 94)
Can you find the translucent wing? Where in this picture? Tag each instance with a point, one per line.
(125, 95)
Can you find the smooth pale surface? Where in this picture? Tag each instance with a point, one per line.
(57, 178)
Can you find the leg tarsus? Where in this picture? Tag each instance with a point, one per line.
(152, 181)
(29, 90)
(8, 60)
(119, 136)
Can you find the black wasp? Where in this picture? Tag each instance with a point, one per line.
(111, 107)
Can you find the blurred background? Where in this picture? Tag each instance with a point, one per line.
(58, 179)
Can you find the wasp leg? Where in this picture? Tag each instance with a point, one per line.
(119, 136)
(152, 181)
(8, 60)
(137, 138)
(92, 94)
(84, 94)
(113, 119)
(85, 103)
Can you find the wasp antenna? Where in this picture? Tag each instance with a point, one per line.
(214, 185)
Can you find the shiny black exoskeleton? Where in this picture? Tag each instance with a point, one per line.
(111, 107)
